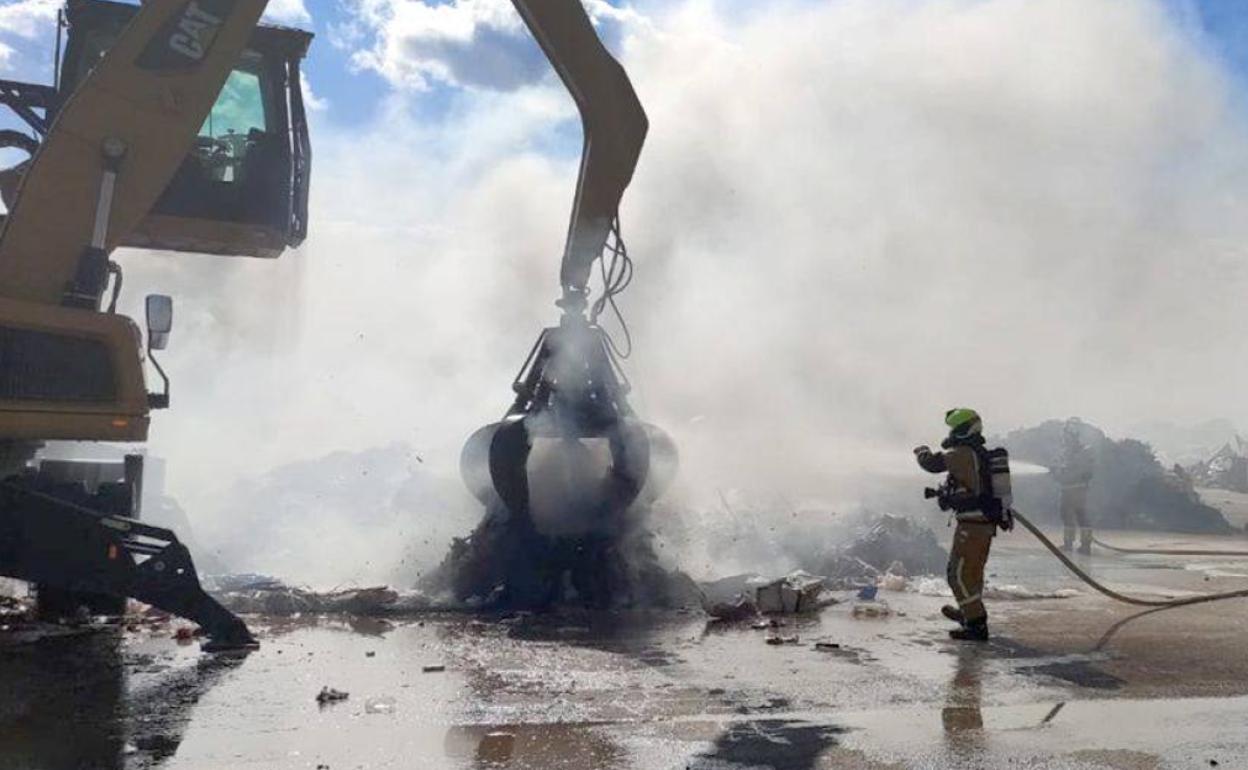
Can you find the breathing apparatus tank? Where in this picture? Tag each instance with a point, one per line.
(999, 477)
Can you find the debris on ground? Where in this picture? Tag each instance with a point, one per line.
(892, 581)
(827, 646)
(379, 706)
(434, 668)
(871, 609)
(891, 544)
(330, 695)
(796, 592)
(263, 595)
(778, 640)
(739, 609)
(741, 597)
(505, 565)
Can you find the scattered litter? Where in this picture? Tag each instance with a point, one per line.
(370, 654)
(891, 581)
(827, 646)
(740, 609)
(796, 592)
(433, 669)
(767, 623)
(379, 706)
(867, 593)
(330, 695)
(892, 544)
(184, 634)
(871, 609)
(778, 640)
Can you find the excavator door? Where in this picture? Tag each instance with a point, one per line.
(243, 189)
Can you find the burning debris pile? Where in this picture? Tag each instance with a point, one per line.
(507, 563)
(891, 544)
(887, 551)
(1129, 490)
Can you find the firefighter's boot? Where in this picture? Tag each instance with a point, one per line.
(954, 614)
(973, 631)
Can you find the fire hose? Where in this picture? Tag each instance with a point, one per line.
(1111, 593)
(1167, 552)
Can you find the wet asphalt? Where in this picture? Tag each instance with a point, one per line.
(668, 690)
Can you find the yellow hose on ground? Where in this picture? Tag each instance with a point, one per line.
(1111, 593)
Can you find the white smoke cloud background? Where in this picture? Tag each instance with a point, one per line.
(848, 217)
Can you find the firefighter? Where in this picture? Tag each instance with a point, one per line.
(967, 492)
(1075, 475)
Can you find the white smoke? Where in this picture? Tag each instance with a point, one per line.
(848, 218)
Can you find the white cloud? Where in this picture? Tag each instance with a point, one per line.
(27, 18)
(20, 22)
(311, 100)
(474, 43)
(289, 12)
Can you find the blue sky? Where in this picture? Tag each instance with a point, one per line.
(346, 29)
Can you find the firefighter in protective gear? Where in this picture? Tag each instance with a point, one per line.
(1075, 476)
(964, 493)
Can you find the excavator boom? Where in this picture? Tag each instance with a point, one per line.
(613, 125)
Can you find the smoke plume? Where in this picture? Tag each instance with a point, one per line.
(848, 218)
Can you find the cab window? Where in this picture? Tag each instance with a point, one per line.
(233, 128)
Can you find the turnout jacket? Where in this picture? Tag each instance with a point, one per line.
(1076, 469)
(964, 486)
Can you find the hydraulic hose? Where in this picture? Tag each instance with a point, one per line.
(1111, 593)
(1167, 552)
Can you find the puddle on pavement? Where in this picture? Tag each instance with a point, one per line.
(572, 693)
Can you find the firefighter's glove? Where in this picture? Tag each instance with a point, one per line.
(1007, 520)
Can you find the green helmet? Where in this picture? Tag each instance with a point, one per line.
(963, 422)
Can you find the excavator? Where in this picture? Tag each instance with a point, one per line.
(179, 125)
(176, 125)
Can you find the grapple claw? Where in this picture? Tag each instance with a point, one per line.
(569, 456)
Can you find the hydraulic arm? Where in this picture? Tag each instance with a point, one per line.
(571, 392)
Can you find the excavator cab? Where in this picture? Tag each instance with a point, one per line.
(243, 188)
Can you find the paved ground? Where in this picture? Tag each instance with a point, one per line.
(1065, 683)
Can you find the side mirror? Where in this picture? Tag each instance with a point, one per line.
(159, 320)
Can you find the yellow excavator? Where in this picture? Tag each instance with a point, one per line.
(179, 125)
(176, 125)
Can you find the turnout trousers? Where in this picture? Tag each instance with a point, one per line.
(971, 543)
(1075, 514)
